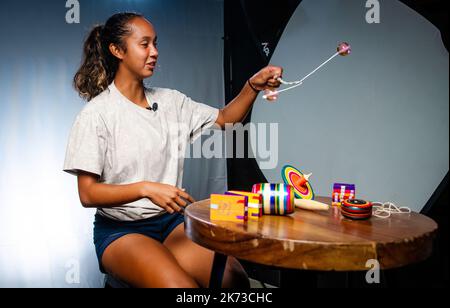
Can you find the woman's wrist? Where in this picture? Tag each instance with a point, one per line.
(145, 190)
(252, 86)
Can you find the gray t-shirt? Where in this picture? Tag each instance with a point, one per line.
(124, 143)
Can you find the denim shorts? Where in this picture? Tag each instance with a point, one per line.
(107, 230)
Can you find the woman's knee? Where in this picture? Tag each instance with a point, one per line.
(170, 279)
(151, 276)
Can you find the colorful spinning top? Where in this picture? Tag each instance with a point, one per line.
(356, 209)
(294, 177)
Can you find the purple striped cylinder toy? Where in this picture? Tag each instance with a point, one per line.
(277, 199)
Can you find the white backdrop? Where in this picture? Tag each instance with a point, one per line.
(45, 234)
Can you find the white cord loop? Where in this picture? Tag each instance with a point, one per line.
(384, 210)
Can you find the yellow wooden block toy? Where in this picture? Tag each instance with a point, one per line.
(228, 208)
(254, 203)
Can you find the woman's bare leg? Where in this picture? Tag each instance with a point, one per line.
(144, 262)
(197, 261)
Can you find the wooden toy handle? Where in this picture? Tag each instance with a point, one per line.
(311, 205)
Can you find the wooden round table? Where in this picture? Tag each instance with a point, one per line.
(315, 240)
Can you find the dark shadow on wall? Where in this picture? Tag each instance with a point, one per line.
(250, 39)
(435, 11)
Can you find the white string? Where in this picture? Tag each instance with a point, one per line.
(287, 82)
(297, 82)
(384, 210)
(273, 93)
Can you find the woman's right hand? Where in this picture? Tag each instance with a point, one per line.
(169, 197)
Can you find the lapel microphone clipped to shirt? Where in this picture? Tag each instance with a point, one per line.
(154, 107)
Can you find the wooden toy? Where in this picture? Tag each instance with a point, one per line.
(228, 208)
(343, 49)
(356, 209)
(278, 199)
(254, 203)
(300, 182)
(341, 192)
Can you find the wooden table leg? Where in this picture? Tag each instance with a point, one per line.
(218, 268)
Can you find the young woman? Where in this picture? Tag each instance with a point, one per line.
(128, 159)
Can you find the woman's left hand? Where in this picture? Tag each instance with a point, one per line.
(266, 79)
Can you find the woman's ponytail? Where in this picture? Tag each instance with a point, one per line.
(99, 66)
(91, 78)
